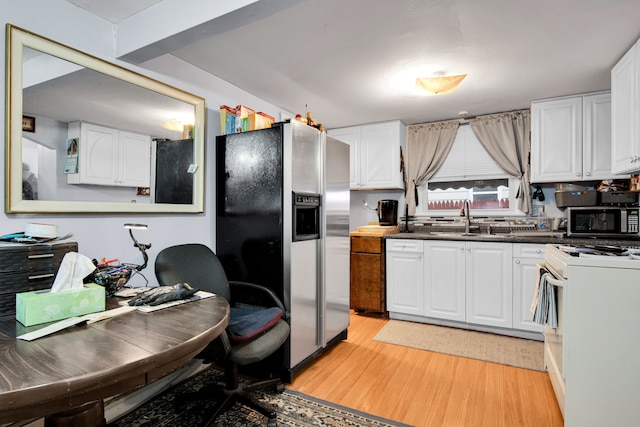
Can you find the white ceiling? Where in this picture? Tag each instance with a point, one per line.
(335, 57)
(114, 10)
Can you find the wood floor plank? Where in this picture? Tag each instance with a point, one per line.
(423, 388)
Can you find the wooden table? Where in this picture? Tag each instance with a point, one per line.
(67, 374)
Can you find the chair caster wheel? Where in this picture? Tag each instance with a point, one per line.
(280, 388)
(272, 423)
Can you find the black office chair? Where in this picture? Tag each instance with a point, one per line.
(197, 265)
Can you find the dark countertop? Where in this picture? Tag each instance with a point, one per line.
(509, 238)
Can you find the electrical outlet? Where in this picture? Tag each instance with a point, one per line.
(538, 210)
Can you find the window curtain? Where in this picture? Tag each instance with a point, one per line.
(506, 137)
(427, 146)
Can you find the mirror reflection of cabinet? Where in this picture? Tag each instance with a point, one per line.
(58, 85)
(110, 157)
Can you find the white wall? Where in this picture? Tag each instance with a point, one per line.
(361, 215)
(102, 235)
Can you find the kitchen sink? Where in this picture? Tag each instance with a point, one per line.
(456, 234)
(559, 234)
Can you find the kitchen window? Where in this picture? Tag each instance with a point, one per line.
(468, 173)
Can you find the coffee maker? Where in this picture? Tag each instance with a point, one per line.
(387, 212)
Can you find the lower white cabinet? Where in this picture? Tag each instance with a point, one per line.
(468, 282)
(526, 257)
(487, 284)
(405, 276)
(444, 279)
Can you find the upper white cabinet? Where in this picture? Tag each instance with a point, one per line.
(351, 136)
(625, 110)
(375, 154)
(110, 157)
(571, 138)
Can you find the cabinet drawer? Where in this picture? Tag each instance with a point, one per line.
(371, 245)
(26, 268)
(404, 245)
(528, 250)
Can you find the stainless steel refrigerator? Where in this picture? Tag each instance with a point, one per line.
(282, 201)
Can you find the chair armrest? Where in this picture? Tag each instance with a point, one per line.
(254, 294)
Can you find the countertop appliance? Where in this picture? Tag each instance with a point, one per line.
(603, 221)
(283, 222)
(592, 356)
(387, 212)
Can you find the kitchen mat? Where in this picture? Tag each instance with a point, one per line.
(518, 352)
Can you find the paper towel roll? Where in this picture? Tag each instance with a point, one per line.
(41, 230)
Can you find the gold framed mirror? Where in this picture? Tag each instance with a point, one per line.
(87, 136)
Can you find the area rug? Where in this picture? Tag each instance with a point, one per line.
(518, 352)
(294, 409)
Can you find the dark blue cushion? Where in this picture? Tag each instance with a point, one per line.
(247, 322)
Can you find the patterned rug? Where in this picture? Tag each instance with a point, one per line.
(294, 409)
(518, 352)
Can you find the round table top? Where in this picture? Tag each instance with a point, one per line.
(85, 363)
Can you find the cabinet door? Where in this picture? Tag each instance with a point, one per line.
(524, 284)
(365, 281)
(625, 113)
(380, 155)
(488, 284)
(405, 289)
(596, 154)
(134, 160)
(98, 155)
(444, 280)
(351, 136)
(556, 140)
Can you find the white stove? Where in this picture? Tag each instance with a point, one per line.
(558, 257)
(592, 355)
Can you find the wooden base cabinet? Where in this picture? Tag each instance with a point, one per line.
(367, 274)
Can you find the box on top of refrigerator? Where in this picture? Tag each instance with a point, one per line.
(227, 120)
(261, 120)
(244, 117)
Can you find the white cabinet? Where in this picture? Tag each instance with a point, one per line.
(488, 284)
(444, 279)
(526, 257)
(110, 157)
(351, 136)
(405, 288)
(468, 282)
(471, 284)
(571, 138)
(375, 154)
(625, 110)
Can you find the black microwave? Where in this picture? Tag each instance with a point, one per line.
(603, 221)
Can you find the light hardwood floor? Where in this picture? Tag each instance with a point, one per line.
(423, 388)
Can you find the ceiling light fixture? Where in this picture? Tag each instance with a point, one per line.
(173, 125)
(439, 84)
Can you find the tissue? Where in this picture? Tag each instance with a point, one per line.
(73, 269)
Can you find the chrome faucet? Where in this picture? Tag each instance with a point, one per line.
(465, 212)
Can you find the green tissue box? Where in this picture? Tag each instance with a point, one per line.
(44, 306)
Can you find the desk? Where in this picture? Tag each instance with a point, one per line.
(76, 368)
